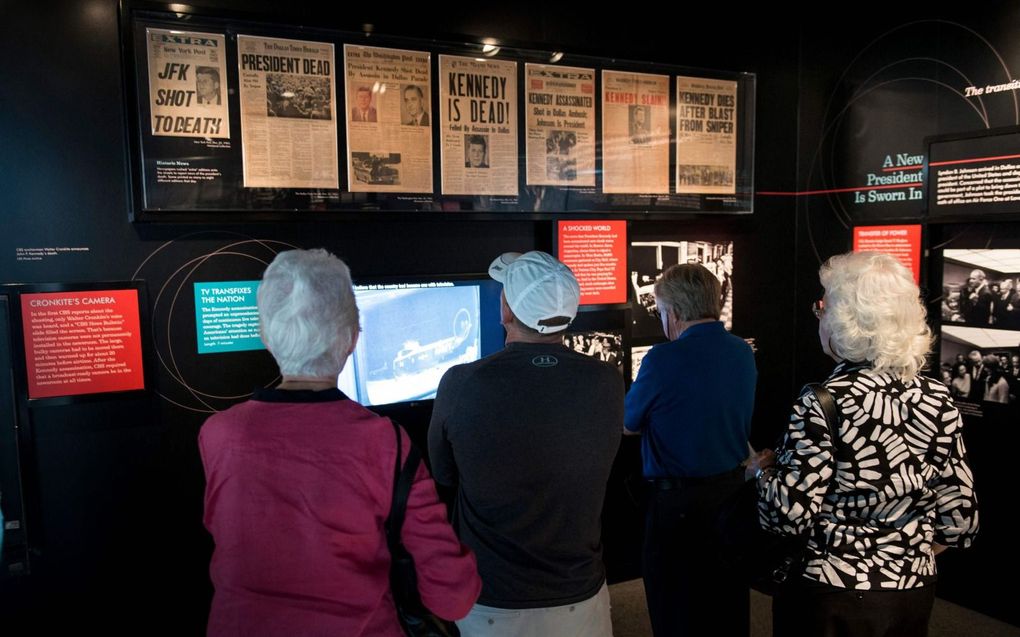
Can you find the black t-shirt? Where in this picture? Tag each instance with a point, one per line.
(529, 435)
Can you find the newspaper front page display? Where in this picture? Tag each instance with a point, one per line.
(635, 133)
(478, 119)
(187, 84)
(389, 119)
(706, 135)
(560, 103)
(288, 113)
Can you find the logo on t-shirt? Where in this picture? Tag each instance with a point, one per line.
(545, 360)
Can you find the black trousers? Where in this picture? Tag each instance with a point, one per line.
(687, 589)
(805, 611)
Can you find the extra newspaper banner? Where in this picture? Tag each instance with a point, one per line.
(635, 133)
(187, 84)
(288, 113)
(560, 117)
(389, 129)
(478, 120)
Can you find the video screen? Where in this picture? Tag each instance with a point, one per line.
(973, 175)
(412, 332)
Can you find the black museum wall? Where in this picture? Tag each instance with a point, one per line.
(874, 87)
(118, 485)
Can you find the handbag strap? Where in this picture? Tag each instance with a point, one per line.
(402, 479)
(829, 409)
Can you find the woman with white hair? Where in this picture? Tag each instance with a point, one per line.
(299, 481)
(881, 495)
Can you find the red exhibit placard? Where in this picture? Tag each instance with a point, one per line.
(82, 342)
(902, 242)
(597, 253)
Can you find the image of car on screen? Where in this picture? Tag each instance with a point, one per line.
(415, 357)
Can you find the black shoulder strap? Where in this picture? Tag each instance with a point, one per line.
(402, 479)
(829, 409)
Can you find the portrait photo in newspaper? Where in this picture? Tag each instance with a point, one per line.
(208, 91)
(414, 106)
(476, 151)
(638, 118)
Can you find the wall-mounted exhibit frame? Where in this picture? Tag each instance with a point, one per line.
(14, 556)
(264, 118)
(71, 345)
(979, 328)
(974, 176)
(80, 342)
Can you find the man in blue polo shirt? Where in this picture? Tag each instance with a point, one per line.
(691, 403)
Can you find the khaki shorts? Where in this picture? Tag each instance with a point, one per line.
(589, 618)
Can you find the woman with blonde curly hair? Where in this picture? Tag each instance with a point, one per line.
(879, 496)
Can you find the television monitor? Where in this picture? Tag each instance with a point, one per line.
(973, 176)
(413, 330)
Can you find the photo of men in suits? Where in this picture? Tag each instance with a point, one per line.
(414, 106)
(363, 110)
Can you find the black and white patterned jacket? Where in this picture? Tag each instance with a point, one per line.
(899, 481)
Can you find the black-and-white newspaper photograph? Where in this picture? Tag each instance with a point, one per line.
(389, 115)
(981, 288)
(376, 170)
(410, 337)
(560, 119)
(648, 259)
(288, 113)
(478, 126)
(706, 137)
(187, 84)
(605, 345)
(298, 96)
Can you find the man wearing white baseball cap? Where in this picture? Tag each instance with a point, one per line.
(527, 436)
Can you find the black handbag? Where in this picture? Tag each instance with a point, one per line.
(415, 619)
(766, 560)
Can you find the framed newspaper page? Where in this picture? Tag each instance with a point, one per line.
(262, 116)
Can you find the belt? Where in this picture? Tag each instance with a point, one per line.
(665, 484)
